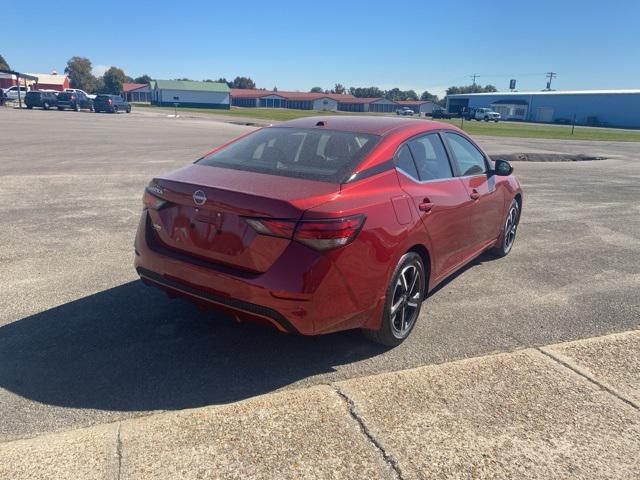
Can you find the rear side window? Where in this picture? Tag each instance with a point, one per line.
(404, 161)
(469, 159)
(431, 158)
(314, 154)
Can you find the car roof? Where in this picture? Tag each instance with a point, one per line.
(372, 125)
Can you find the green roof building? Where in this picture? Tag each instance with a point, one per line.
(187, 93)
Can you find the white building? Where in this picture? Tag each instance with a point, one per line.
(191, 94)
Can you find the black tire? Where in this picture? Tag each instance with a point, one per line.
(60, 108)
(76, 107)
(128, 108)
(46, 105)
(486, 119)
(509, 229)
(390, 333)
(29, 107)
(496, 120)
(91, 107)
(115, 109)
(96, 111)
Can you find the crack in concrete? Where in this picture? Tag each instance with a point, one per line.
(588, 377)
(389, 460)
(119, 452)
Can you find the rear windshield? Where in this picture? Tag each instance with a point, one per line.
(314, 154)
(103, 97)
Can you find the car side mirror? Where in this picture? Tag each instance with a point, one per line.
(502, 168)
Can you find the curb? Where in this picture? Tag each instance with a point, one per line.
(555, 411)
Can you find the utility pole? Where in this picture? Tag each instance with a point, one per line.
(474, 76)
(550, 76)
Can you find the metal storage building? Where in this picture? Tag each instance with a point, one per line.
(191, 94)
(421, 107)
(611, 108)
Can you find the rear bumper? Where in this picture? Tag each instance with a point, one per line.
(186, 290)
(303, 292)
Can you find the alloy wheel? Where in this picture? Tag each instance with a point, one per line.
(510, 227)
(405, 301)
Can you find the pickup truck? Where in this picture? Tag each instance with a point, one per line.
(11, 93)
(486, 114)
(441, 113)
(404, 111)
(77, 90)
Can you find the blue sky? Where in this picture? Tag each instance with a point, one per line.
(296, 45)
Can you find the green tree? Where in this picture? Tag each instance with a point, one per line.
(3, 64)
(396, 94)
(475, 88)
(243, 82)
(339, 89)
(142, 79)
(113, 80)
(430, 97)
(367, 92)
(79, 71)
(316, 90)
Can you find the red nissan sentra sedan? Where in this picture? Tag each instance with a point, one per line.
(327, 223)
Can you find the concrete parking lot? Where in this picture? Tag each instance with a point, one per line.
(83, 342)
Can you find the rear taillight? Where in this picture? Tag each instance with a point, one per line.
(73, 97)
(323, 234)
(328, 234)
(275, 228)
(150, 200)
(109, 101)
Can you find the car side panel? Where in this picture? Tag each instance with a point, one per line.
(364, 267)
(447, 222)
(488, 208)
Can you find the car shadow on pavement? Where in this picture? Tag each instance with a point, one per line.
(130, 348)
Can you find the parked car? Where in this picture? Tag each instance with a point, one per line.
(40, 99)
(486, 114)
(310, 227)
(110, 103)
(439, 112)
(468, 113)
(77, 90)
(11, 93)
(404, 111)
(75, 101)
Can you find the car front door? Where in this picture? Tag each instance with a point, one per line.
(440, 199)
(480, 184)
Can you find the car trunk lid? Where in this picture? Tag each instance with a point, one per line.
(206, 210)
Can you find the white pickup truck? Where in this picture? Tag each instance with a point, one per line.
(486, 114)
(12, 92)
(77, 90)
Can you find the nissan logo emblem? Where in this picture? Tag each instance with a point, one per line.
(199, 197)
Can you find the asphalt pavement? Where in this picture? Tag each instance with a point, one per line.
(83, 342)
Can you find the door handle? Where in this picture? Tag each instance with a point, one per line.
(474, 194)
(425, 206)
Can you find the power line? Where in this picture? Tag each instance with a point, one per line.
(474, 76)
(550, 76)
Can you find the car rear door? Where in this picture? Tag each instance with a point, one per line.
(440, 199)
(488, 199)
